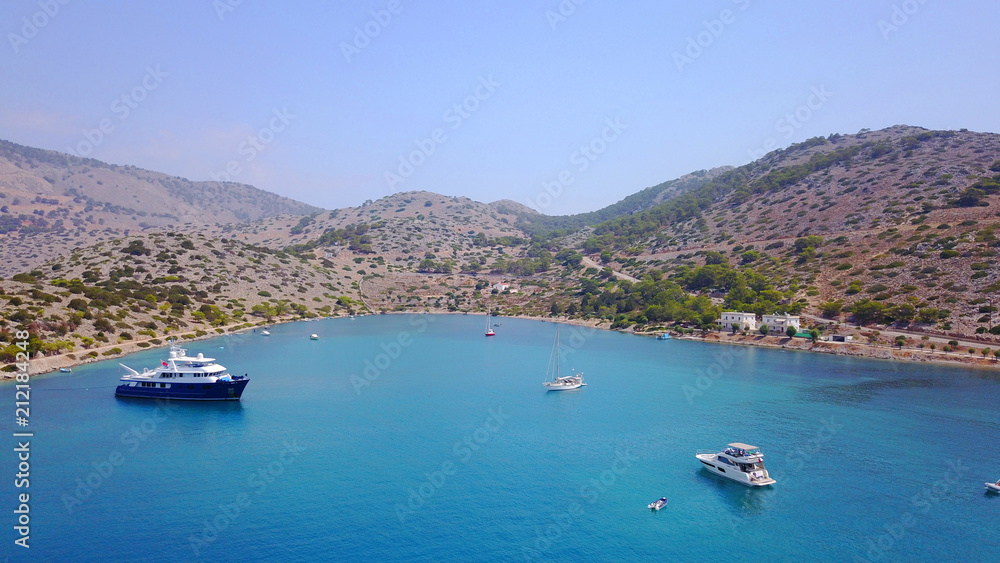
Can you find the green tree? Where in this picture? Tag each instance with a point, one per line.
(763, 330)
(868, 311)
(715, 257)
(830, 309)
(903, 312)
(790, 331)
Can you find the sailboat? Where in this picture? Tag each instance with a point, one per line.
(560, 382)
(489, 327)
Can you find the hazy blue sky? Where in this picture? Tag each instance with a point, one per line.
(298, 98)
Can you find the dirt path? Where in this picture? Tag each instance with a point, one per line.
(591, 264)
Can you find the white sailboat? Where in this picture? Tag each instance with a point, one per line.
(560, 382)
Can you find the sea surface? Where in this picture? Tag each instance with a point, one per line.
(401, 438)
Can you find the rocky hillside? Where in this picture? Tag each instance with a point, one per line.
(901, 221)
(894, 227)
(64, 202)
(536, 223)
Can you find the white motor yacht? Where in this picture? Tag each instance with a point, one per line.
(740, 462)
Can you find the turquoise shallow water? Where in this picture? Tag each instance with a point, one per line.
(452, 450)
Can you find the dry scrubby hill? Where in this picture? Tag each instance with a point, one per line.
(901, 219)
(65, 202)
(161, 284)
(403, 225)
(896, 226)
(155, 285)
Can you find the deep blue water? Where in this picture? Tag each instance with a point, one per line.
(454, 451)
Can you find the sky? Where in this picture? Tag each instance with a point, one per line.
(563, 105)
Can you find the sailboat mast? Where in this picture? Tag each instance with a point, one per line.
(557, 353)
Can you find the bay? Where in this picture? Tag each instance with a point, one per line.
(415, 438)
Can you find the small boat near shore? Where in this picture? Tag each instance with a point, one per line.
(657, 504)
(663, 336)
(66, 370)
(313, 337)
(740, 462)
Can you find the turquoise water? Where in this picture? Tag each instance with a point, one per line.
(451, 449)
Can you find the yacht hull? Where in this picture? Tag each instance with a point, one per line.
(993, 487)
(564, 387)
(712, 465)
(217, 391)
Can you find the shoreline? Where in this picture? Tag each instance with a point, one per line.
(52, 364)
(852, 349)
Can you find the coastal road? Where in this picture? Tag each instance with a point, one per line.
(892, 333)
(591, 264)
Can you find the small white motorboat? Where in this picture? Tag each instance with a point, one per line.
(313, 337)
(994, 487)
(656, 505)
(66, 370)
(265, 333)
